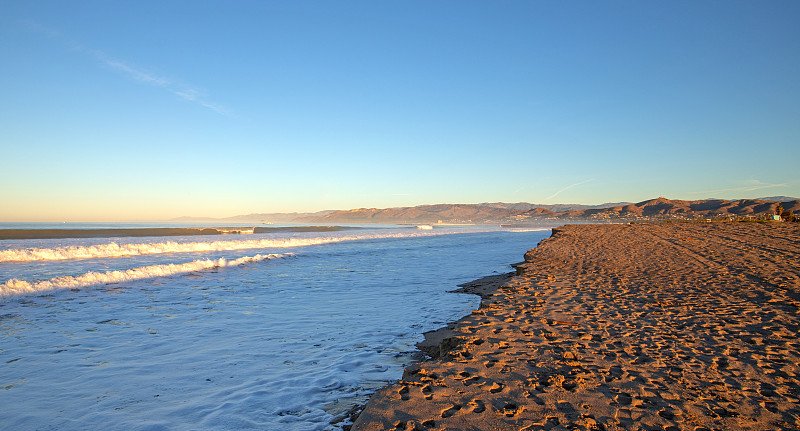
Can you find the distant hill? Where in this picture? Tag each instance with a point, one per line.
(524, 212)
(521, 212)
(251, 218)
(448, 213)
(662, 208)
(779, 199)
(525, 206)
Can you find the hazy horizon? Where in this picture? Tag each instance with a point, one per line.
(116, 111)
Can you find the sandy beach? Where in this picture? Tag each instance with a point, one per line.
(670, 326)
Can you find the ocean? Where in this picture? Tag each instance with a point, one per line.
(287, 329)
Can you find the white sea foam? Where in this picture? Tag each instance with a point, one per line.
(527, 229)
(121, 250)
(17, 287)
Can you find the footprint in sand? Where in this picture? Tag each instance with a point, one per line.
(414, 425)
(509, 409)
(667, 414)
(451, 411)
(427, 392)
(471, 380)
(549, 423)
(478, 406)
(403, 393)
(623, 399)
(533, 397)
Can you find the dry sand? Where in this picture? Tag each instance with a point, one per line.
(684, 326)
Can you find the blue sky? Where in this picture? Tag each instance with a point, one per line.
(122, 111)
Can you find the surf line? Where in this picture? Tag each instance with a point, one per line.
(16, 287)
(121, 250)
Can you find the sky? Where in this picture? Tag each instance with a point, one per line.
(148, 110)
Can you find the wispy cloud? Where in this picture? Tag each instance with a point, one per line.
(136, 74)
(127, 69)
(566, 188)
(190, 94)
(754, 185)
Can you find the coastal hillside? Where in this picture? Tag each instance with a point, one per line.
(662, 208)
(526, 206)
(446, 213)
(520, 213)
(249, 218)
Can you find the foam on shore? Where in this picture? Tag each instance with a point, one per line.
(15, 287)
(114, 249)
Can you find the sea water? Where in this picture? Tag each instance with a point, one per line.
(283, 330)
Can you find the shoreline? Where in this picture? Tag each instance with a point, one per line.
(656, 325)
(438, 342)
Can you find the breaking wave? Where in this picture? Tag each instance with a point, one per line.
(18, 287)
(122, 250)
(156, 231)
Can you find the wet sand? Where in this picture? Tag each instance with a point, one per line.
(671, 326)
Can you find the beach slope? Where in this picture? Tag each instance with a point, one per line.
(684, 326)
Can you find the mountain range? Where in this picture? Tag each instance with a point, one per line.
(659, 208)
(522, 212)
